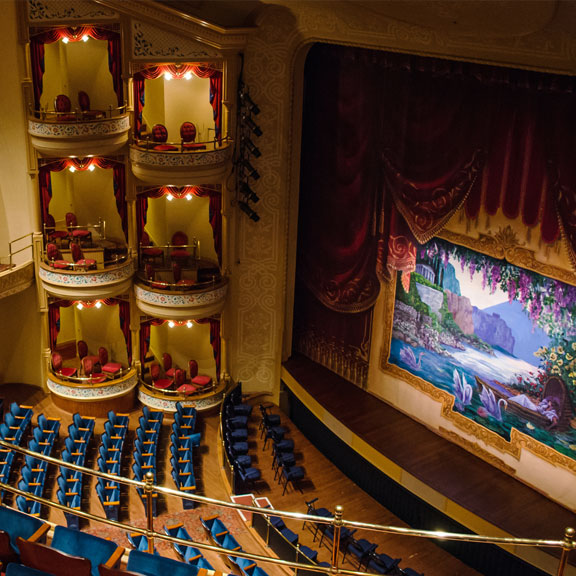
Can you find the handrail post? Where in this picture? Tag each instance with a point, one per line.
(568, 545)
(337, 524)
(149, 511)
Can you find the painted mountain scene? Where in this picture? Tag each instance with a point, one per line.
(500, 339)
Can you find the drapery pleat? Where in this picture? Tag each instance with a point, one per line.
(215, 341)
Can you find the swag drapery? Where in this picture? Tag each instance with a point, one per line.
(81, 164)
(75, 34)
(215, 340)
(179, 71)
(394, 145)
(123, 313)
(213, 192)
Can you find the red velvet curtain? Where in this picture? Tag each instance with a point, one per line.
(75, 34)
(82, 164)
(178, 71)
(394, 145)
(215, 341)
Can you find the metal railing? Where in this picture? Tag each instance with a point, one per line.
(180, 146)
(77, 115)
(337, 522)
(8, 261)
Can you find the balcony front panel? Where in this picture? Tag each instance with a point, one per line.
(97, 137)
(90, 284)
(180, 168)
(16, 279)
(158, 400)
(181, 304)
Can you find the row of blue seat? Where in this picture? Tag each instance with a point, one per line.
(109, 459)
(189, 554)
(12, 429)
(70, 482)
(145, 448)
(217, 531)
(183, 440)
(235, 418)
(33, 472)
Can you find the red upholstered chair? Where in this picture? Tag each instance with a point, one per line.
(202, 381)
(179, 254)
(82, 348)
(54, 257)
(157, 382)
(188, 135)
(50, 232)
(193, 368)
(79, 260)
(65, 371)
(169, 370)
(75, 232)
(160, 137)
(148, 252)
(109, 369)
(63, 108)
(87, 112)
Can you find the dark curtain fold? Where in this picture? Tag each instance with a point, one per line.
(120, 196)
(215, 341)
(53, 323)
(141, 215)
(124, 314)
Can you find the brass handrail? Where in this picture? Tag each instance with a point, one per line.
(567, 544)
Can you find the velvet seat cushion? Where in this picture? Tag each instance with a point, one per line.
(112, 367)
(187, 389)
(201, 380)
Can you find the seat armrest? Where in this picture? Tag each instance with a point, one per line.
(40, 534)
(114, 560)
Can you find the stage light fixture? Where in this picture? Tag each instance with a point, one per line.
(247, 210)
(252, 125)
(251, 196)
(248, 103)
(249, 169)
(251, 147)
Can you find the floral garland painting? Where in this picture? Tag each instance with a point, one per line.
(500, 339)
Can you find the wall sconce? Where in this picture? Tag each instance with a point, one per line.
(247, 210)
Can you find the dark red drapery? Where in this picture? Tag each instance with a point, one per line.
(75, 34)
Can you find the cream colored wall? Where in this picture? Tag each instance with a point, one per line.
(77, 66)
(171, 102)
(21, 326)
(184, 344)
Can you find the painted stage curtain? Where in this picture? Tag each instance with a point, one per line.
(394, 145)
(178, 71)
(75, 34)
(214, 194)
(82, 164)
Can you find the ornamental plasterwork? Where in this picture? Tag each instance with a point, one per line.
(16, 280)
(110, 127)
(181, 159)
(175, 300)
(87, 279)
(50, 10)
(169, 405)
(151, 42)
(91, 392)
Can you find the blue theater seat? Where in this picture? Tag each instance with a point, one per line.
(14, 569)
(19, 525)
(153, 565)
(96, 550)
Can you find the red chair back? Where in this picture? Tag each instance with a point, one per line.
(155, 371)
(103, 355)
(193, 368)
(179, 377)
(56, 361)
(84, 101)
(88, 366)
(82, 349)
(179, 238)
(62, 103)
(52, 252)
(166, 361)
(71, 219)
(159, 133)
(50, 222)
(177, 272)
(145, 238)
(188, 132)
(77, 253)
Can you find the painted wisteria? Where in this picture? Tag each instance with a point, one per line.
(499, 338)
